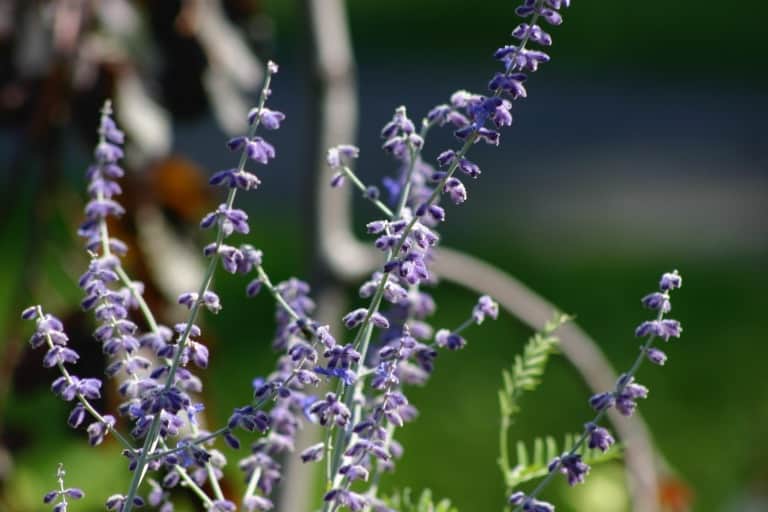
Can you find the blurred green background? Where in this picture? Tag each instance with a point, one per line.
(641, 149)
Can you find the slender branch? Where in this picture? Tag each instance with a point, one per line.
(82, 399)
(151, 438)
(253, 481)
(361, 186)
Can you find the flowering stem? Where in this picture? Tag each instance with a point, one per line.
(361, 186)
(264, 277)
(81, 398)
(622, 383)
(151, 438)
(214, 482)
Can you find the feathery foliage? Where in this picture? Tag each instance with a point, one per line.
(532, 464)
(403, 502)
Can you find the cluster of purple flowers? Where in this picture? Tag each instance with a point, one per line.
(624, 397)
(367, 375)
(155, 382)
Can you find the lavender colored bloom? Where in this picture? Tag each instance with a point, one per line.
(447, 339)
(354, 472)
(670, 281)
(455, 189)
(270, 119)
(657, 301)
(663, 329)
(249, 419)
(331, 410)
(116, 502)
(602, 401)
(342, 356)
(260, 503)
(572, 466)
(599, 437)
(485, 306)
(223, 506)
(345, 498)
(234, 178)
(516, 498)
(312, 454)
(337, 180)
(533, 505)
(98, 430)
(354, 318)
(630, 392)
(59, 355)
(342, 155)
(656, 356)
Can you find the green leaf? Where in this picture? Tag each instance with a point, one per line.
(525, 375)
(401, 501)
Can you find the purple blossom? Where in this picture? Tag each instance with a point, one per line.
(447, 339)
(485, 306)
(331, 411)
(599, 437)
(312, 454)
(345, 498)
(602, 401)
(260, 503)
(98, 430)
(572, 466)
(670, 281)
(657, 301)
(656, 356)
(270, 119)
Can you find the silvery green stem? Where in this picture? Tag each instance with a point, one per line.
(361, 186)
(250, 490)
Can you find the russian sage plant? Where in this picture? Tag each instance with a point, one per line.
(386, 346)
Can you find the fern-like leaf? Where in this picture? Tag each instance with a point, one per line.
(524, 376)
(404, 502)
(532, 464)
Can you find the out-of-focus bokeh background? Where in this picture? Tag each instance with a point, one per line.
(642, 147)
